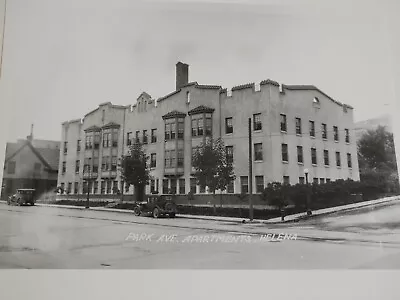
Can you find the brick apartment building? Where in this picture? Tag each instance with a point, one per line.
(295, 127)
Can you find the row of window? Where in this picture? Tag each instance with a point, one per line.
(108, 163)
(257, 125)
(93, 140)
(145, 138)
(106, 187)
(314, 161)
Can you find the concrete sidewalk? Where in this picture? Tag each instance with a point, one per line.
(288, 219)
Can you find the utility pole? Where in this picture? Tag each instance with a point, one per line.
(250, 174)
(3, 37)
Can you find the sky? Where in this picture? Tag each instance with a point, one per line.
(63, 58)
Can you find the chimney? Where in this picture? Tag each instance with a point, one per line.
(182, 75)
(30, 137)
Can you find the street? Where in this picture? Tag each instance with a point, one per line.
(58, 238)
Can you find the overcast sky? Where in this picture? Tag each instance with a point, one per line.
(62, 58)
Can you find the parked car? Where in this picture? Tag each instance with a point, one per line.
(157, 205)
(22, 197)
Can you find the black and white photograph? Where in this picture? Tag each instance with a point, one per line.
(199, 135)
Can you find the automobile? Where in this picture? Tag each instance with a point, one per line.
(156, 205)
(22, 197)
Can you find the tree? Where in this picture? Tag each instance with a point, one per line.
(213, 167)
(377, 157)
(135, 169)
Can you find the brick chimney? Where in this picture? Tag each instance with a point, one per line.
(182, 75)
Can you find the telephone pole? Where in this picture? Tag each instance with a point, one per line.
(3, 37)
(250, 174)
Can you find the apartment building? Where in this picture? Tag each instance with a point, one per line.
(294, 128)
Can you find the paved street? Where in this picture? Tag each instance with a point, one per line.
(49, 238)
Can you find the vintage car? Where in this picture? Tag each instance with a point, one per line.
(156, 205)
(22, 197)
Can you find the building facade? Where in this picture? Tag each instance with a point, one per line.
(294, 129)
(30, 163)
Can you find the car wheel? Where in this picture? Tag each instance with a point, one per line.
(156, 213)
(172, 215)
(137, 211)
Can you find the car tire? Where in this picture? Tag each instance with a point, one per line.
(156, 213)
(137, 211)
(172, 215)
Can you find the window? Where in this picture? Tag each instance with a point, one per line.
(228, 125)
(312, 128)
(145, 141)
(335, 133)
(153, 160)
(152, 186)
(200, 127)
(37, 167)
(349, 162)
(285, 156)
(76, 188)
(167, 159)
(314, 156)
(193, 185)
(298, 126)
(230, 187)
(64, 167)
(65, 147)
(86, 165)
(181, 186)
(95, 187)
(324, 132)
(129, 138)
(286, 180)
(89, 164)
(328, 180)
(322, 180)
(95, 164)
(88, 141)
(115, 187)
(259, 184)
(180, 157)
(181, 128)
(115, 138)
(257, 125)
(315, 180)
(167, 131)
(78, 146)
(165, 186)
(103, 187)
(208, 124)
(114, 160)
(301, 180)
(229, 154)
(258, 152)
(11, 167)
(96, 140)
(90, 187)
(283, 123)
(137, 136)
(299, 154)
(77, 164)
(194, 126)
(316, 100)
(69, 187)
(326, 157)
(346, 131)
(173, 186)
(109, 182)
(62, 187)
(173, 158)
(194, 150)
(106, 139)
(105, 166)
(173, 130)
(154, 135)
(202, 189)
(338, 162)
(157, 184)
(244, 184)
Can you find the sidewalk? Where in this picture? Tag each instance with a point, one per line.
(290, 218)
